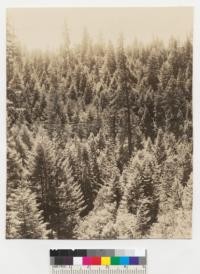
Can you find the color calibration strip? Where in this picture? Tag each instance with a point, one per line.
(98, 257)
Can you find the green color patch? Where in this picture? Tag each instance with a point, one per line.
(115, 260)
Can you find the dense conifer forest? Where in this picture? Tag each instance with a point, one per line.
(99, 139)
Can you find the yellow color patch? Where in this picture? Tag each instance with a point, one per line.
(105, 260)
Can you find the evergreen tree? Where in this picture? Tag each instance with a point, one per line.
(125, 94)
(23, 144)
(15, 99)
(144, 217)
(141, 192)
(174, 57)
(15, 168)
(167, 180)
(177, 222)
(24, 219)
(99, 223)
(70, 201)
(97, 180)
(110, 59)
(42, 176)
(165, 74)
(152, 70)
(147, 118)
(55, 114)
(88, 93)
(160, 149)
(86, 179)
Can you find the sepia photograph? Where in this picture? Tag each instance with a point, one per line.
(99, 123)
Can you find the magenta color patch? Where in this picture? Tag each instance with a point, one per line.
(87, 261)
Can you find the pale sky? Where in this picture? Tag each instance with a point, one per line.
(43, 27)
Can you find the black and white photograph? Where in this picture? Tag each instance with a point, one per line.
(99, 123)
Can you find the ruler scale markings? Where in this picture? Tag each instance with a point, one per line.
(99, 261)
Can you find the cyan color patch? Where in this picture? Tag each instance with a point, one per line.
(124, 260)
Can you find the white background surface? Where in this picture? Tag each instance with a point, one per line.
(164, 256)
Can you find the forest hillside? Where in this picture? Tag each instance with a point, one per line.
(99, 140)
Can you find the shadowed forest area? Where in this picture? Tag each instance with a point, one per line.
(99, 140)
